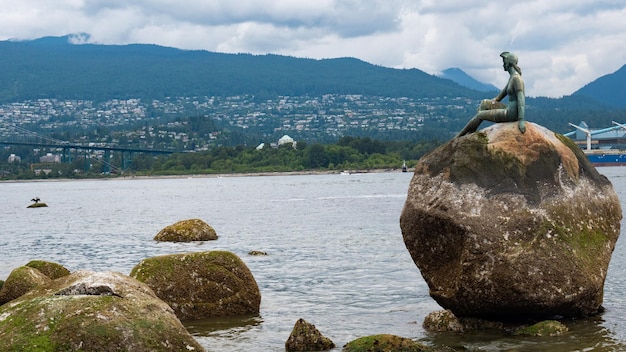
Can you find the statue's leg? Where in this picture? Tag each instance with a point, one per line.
(493, 115)
(496, 115)
(471, 126)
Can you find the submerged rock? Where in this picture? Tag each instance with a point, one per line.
(257, 253)
(386, 343)
(201, 285)
(306, 337)
(446, 321)
(187, 231)
(511, 226)
(88, 311)
(543, 328)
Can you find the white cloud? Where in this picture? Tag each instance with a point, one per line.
(562, 44)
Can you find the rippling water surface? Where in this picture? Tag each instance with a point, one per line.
(335, 252)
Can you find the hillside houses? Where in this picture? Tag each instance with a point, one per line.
(326, 115)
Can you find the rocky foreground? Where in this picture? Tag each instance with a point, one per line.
(44, 307)
(92, 311)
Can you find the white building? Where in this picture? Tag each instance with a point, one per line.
(14, 159)
(50, 158)
(286, 139)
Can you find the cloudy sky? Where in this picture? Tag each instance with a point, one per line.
(562, 44)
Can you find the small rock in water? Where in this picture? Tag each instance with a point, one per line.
(306, 337)
(543, 328)
(37, 205)
(187, 231)
(257, 253)
(386, 343)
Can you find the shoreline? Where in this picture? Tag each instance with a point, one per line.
(242, 174)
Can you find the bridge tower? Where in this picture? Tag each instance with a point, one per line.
(106, 165)
(66, 156)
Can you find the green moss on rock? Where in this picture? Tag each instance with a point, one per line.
(88, 311)
(201, 285)
(20, 281)
(543, 328)
(385, 343)
(187, 231)
(37, 205)
(50, 269)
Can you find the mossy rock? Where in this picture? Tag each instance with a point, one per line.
(20, 281)
(88, 311)
(50, 269)
(441, 321)
(306, 337)
(187, 231)
(201, 285)
(543, 328)
(385, 343)
(37, 205)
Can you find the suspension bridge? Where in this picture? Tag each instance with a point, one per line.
(68, 149)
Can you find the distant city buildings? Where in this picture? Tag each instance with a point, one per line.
(330, 115)
(50, 158)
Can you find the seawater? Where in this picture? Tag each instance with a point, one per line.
(335, 252)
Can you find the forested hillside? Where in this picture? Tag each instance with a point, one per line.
(608, 89)
(54, 68)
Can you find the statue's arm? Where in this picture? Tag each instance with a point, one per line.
(521, 102)
(501, 95)
(518, 85)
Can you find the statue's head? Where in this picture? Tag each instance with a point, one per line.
(509, 57)
(510, 60)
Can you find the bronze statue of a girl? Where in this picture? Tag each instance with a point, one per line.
(494, 111)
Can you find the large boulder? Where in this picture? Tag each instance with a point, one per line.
(20, 281)
(201, 285)
(50, 269)
(511, 226)
(187, 231)
(89, 311)
(25, 278)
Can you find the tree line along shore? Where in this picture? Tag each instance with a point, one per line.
(353, 154)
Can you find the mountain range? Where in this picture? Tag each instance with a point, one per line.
(609, 89)
(457, 75)
(53, 67)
